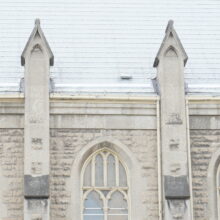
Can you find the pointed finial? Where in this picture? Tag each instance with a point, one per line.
(170, 31)
(169, 26)
(37, 29)
(37, 21)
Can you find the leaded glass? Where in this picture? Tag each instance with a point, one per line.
(111, 171)
(99, 178)
(105, 189)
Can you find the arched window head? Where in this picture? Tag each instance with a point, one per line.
(104, 187)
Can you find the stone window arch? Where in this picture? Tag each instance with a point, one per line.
(133, 172)
(213, 186)
(105, 189)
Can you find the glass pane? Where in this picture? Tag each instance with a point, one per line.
(117, 217)
(94, 217)
(99, 176)
(116, 211)
(122, 176)
(93, 204)
(117, 204)
(87, 176)
(111, 170)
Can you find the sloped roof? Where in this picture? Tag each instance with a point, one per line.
(96, 43)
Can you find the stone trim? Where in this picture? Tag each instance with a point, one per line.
(129, 160)
(211, 180)
(37, 30)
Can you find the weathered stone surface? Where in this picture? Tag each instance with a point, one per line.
(35, 187)
(176, 187)
(36, 209)
(64, 145)
(177, 209)
(11, 174)
(203, 144)
(170, 62)
(37, 58)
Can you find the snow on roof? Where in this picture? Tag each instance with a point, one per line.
(109, 46)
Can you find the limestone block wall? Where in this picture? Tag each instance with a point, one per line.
(11, 174)
(72, 127)
(203, 144)
(66, 143)
(205, 148)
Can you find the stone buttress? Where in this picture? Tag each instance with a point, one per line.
(37, 59)
(170, 62)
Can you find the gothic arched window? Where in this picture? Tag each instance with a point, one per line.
(104, 187)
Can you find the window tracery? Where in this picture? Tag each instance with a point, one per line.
(104, 187)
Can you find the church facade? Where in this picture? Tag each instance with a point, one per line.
(109, 157)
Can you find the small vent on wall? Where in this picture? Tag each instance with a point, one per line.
(125, 77)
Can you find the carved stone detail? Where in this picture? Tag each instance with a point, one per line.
(36, 168)
(174, 144)
(174, 119)
(177, 208)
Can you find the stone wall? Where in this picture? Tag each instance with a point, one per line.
(64, 145)
(11, 174)
(203, 144)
